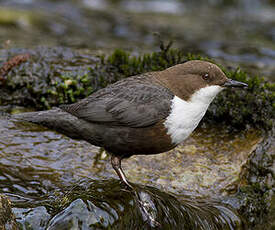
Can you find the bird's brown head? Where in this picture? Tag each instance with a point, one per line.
(186, 79)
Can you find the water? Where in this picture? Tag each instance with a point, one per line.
(104, 204)
(236, 33)
(52, 179)
(35, 161)
(46, 173)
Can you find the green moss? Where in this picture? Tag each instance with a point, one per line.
(238, 108)
(57, 76)
(253, 106)
(253, 204)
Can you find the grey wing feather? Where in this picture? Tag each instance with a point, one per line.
(137, 105)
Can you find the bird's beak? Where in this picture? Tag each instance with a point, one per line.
(233, 83)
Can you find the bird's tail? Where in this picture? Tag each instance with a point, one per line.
(55, 119)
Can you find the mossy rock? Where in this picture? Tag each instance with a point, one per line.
(7, 218)
(56, 76)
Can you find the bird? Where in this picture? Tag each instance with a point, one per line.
(149, 113)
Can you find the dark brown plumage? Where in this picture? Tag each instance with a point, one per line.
(128, 117)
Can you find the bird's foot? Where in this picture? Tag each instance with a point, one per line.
(126, 186)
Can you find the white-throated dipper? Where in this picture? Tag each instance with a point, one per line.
(145, 114)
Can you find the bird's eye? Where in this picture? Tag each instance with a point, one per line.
(205, 76)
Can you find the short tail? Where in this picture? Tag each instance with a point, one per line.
(55, 119)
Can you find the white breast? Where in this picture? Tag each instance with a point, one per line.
(186, 115)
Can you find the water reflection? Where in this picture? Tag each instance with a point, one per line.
(104, 203)
(159, 6)
(42, 173)
(35, 161)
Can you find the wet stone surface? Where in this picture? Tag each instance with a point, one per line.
(106, 206)
(207, 164)
(54, 182)
(7, 218)
(32, 218)
(48, 178)
(236, 32)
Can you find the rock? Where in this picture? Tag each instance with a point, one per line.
(106, 206)
(234, 168)
(7, 218)
(32, 218)
(80, 215)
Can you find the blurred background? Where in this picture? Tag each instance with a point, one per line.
(238, 33)
(39, 166)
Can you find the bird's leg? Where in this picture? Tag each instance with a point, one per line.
(116, 163)
(143, 204)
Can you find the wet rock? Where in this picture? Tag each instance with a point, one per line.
(49, 76)
(7, 218)
(271, 217)
(234, 168)
(79, 215)
(69, 24)
(106, 206)
(211, 163)
(257, 182)
(239, 169)
(205, 165)
(57, 76)
(32, 218)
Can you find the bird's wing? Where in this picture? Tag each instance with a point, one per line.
(132, 103)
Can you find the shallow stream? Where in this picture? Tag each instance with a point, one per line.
(209, 182)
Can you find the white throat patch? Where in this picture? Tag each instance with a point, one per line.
(186, 115)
